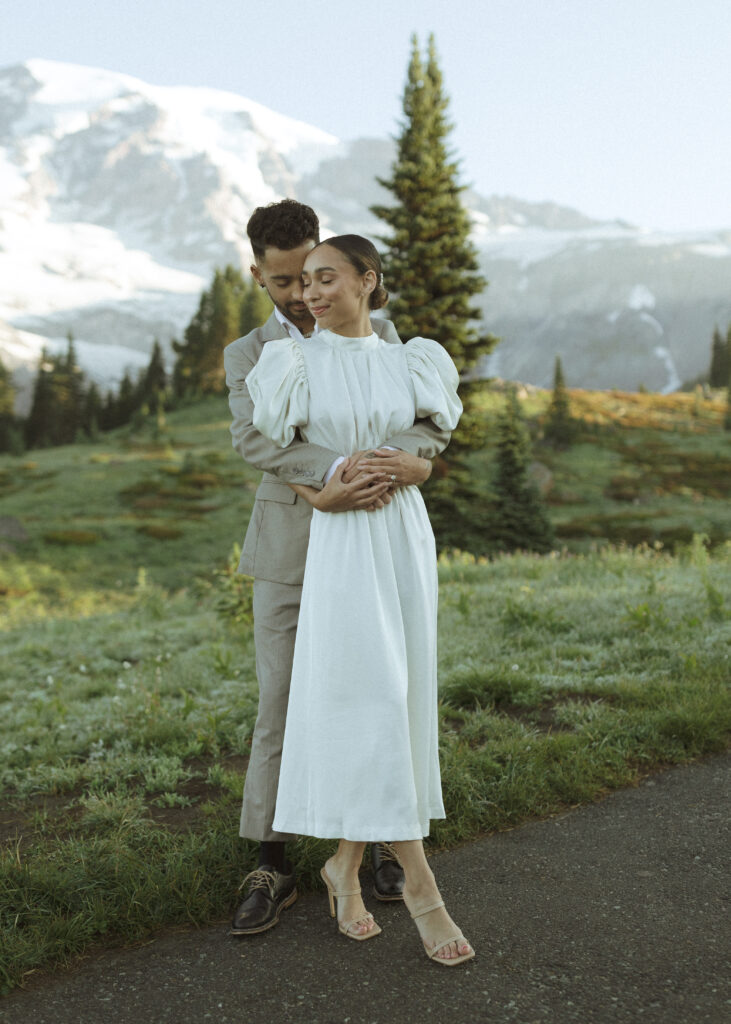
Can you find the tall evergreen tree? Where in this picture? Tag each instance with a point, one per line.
(68, 392)
(40, 424)
(92, 414)
(521, 521)
(199, 364)
(431, 266)
(255, 307)
(7, 392)
(107, 414)
(11, 439)
(126, 401)
(153, 382)
(57, 414)
(559, 428)
(430, 262)
(720, 359)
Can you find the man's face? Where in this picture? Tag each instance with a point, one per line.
(280, 271)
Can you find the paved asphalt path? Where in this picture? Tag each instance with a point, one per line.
(615, 912)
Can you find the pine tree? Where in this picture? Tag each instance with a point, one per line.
(40, 424)
(256, 307)
(153, 382)
(91, 418)
(431, 266)
(108, 412)
(11, 439)
(126, 401)
(520, 518)
(720, 359)
(7, 392)
(430, 262)
(199, 364)
(559, 428)
(68, 387)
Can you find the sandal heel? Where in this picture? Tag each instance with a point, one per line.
(344, 927)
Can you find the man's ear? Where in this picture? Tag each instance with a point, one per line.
(257, 275)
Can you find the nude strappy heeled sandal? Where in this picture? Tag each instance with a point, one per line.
(343, 926)
(457, 937)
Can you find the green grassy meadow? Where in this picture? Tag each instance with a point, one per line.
(128, 693)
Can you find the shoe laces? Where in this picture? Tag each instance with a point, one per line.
(260, 880)
(387, 852)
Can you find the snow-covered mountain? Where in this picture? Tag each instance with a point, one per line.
(117, 199)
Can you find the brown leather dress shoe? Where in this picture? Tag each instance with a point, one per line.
(269, 893)
(388, 875)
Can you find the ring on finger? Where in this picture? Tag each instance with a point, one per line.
(393, 478)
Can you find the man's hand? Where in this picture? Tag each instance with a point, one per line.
(400, 468)
(365, 490)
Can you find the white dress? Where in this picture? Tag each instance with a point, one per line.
(361, 757)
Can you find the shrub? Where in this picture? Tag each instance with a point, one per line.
(71, 537)
(160, 531)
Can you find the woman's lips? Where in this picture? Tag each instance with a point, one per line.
(318, 310)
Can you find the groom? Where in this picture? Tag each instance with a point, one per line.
(275, 547)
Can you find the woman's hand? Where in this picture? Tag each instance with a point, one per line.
(400, 468)
(365, 489)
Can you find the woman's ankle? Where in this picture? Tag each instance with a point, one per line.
(421, 890)
(343, 867)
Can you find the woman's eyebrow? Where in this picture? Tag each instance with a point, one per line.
(320, 270)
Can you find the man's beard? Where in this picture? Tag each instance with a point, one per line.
(297, 315)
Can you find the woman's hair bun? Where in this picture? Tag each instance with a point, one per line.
(378, 297)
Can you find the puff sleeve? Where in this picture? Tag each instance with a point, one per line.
(279, 390)
(435, 380)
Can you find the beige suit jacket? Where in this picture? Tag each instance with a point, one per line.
(275, 547)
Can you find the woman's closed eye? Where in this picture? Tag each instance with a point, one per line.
(323, 280)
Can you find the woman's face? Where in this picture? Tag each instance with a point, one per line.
(335, 293)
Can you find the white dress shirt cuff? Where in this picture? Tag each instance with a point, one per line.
(332, 469)
(341, 458)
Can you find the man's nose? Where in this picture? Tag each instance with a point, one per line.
(297, 291)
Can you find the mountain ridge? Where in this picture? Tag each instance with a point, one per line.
(118, 198)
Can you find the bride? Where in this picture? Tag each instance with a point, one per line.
(360, 760)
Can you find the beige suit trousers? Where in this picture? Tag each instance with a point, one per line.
(276, 610)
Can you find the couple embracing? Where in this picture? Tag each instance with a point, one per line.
(343, 420)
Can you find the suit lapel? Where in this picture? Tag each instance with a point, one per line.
(272, 329)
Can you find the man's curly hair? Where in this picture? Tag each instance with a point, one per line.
(283, 225)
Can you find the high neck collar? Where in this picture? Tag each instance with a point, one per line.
(340, 341)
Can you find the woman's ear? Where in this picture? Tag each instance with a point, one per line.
(369, 282)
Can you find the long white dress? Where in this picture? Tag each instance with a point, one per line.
(360, 759)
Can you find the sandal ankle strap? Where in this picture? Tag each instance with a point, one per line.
(427, 910)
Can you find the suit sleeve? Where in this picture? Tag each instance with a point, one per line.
(425, 438)
(298, 463)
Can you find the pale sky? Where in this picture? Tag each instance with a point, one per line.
(620, 108)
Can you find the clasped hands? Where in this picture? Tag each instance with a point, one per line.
(366, 480)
